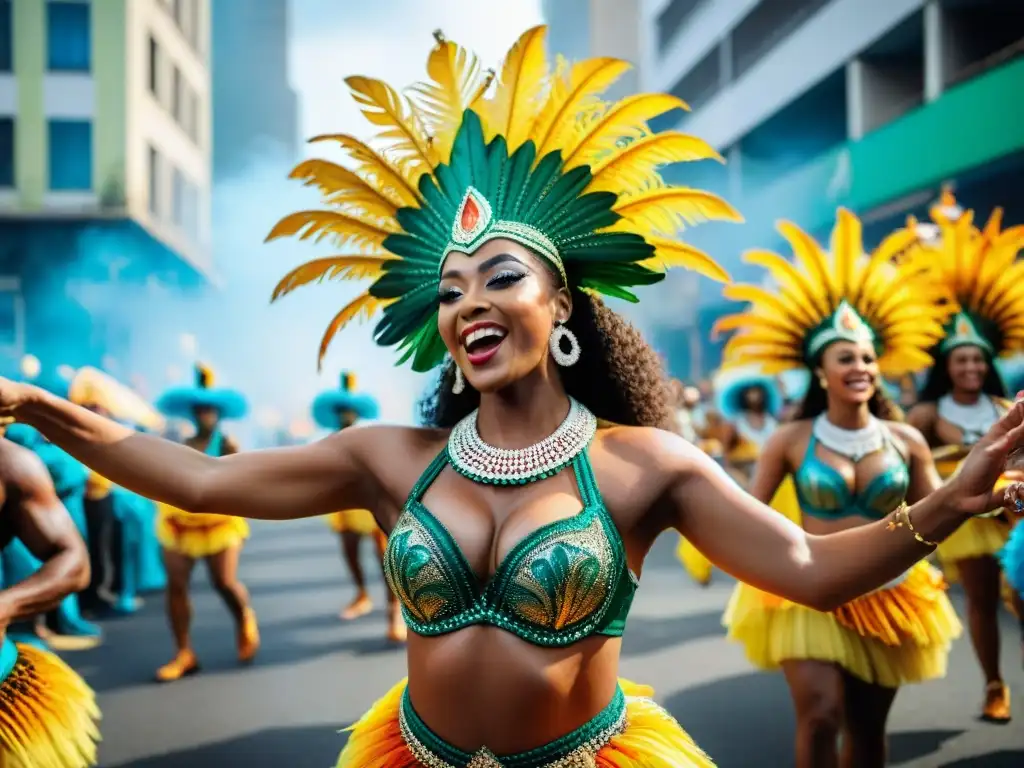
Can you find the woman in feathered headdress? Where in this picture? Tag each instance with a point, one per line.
(964, 395)
(217, 539)
(338, 409)
(489, 222)
(750, 403)
(850, 318)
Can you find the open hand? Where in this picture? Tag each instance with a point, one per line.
(972, 487)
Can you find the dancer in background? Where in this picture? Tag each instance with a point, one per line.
(520, 518)
(338, 409)
(750, 404)
(49, 713)
(964, 395)
(852, 464)
(217, 539)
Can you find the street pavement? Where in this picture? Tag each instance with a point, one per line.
(316, 675)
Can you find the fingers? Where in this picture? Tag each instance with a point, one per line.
(1013, 498)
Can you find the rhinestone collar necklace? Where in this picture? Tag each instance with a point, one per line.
(854, 444)
(471, 457)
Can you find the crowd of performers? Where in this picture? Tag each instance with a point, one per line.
(488, 245)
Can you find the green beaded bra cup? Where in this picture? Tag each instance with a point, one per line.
(565, 581)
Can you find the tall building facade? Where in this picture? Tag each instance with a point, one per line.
(579, 29)
(821, 103)
(255, 106)
(105, 170)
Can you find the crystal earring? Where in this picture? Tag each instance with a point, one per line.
(564, 359)
(459, 385)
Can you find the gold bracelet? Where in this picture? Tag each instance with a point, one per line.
(901, 519)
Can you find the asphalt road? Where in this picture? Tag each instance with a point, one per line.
(316, 675)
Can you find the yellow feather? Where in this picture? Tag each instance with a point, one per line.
(345, 229)
(893, 245)
(383, 106)
(391, 181)
(587, 81)
(522, 87)
(364, 305)
(811, 256)
(669, 254)
(635, 165)
(457, 80)
(784, 270)
(768, 304)
(340, 186)
(331, 268)
(745, 321)
(625, 118)
(847, 248)
(670, 209)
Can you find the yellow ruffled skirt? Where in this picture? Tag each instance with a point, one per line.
(895, 635)
(198, 536)
(699, 567)
(359, 521)
(652, 738)
(48, 715)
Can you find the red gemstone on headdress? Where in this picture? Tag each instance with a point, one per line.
(848, 320)
(470, 215)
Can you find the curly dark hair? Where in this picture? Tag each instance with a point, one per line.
(815, 403)
(619, 376)
(939, 383)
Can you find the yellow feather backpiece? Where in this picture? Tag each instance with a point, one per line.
(979, 268)
(899, 303)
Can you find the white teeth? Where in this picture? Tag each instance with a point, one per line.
(484, 333)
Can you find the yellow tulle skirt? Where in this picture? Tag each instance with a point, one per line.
(898, 634)
(652, 738)
(48, 715)
(699, 567)
(198, 536)
(358, 521)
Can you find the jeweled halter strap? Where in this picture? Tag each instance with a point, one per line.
(471, 457)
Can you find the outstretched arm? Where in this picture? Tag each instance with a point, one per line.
(45, 527)
(274, 484)
(924, 478)
(747, 539)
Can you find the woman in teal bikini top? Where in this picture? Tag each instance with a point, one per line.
(488, 236)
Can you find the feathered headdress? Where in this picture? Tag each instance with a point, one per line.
(845, 295)
(544, 161)
(980, 270)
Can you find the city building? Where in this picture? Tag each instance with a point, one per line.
(104, 170)
(824, 103)
(580, 29)
(255, 108)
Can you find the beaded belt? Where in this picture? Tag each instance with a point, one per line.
(574, 750)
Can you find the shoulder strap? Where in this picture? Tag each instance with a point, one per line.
(590, 494)
(429, 475)
(216, 445)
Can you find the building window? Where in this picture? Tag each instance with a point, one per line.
(70, 155)
(672, 19)
(154, 182)
(176, 94)
(154, 67)
(6, 151)
(177, 11)
(6, 59)
(192, 110)
(68, 37)
(178, 198)
(194, 25)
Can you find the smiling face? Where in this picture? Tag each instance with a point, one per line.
(497, 310)
(968, 367)
(850, 371)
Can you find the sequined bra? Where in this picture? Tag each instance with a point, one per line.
(824, 493)
(565, 581)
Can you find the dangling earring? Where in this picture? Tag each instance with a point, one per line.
(459, 385)
(564, 359)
